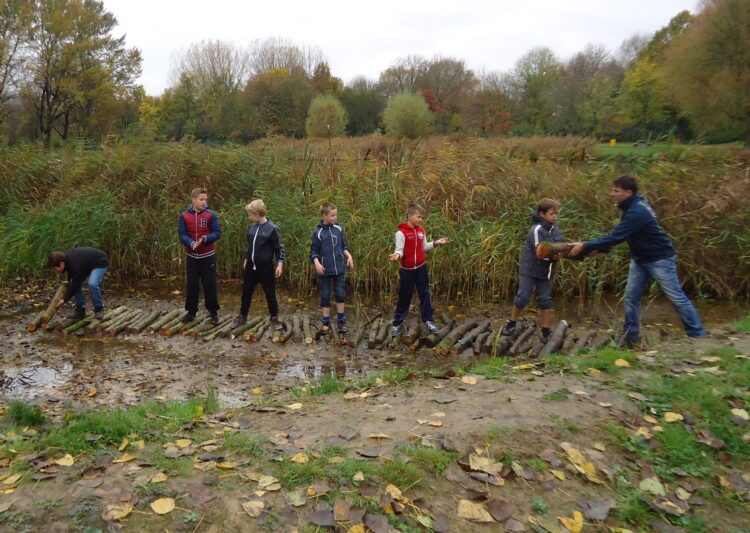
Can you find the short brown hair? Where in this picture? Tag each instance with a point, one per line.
(257, 207)
(545, 204)
(626, 183)
(198, 190)
(327, 208)
(415, 208)
(55, 258)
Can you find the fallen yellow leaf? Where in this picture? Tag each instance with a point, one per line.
(469, 380)
(559, 474)
(294, 406)
(116, 512)
(123, 445)
(66, 460)
(158, 478)
(435, 423)
(575, 524)
(124, 458)
(163, 505)
(226, 465)
(741, 413)
(183, 443)
(253, 508)
(379, 436)
(622, 363)
(90, 393)
(356, 528)
(12, 480)
(299, 458)
(257, 390)
(473, 512)
(669, 416)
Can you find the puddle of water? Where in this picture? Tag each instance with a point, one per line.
(31, 381)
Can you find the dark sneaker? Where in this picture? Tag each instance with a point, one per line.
(544, 337)
(343, 328)
(276, 323)
(187, 318)
(508, 329)
(631, 342)
(78, 314)
(396, 329)
(99, 315)
(431, 327)
(239, 321)
(215, 318)
(325, 329)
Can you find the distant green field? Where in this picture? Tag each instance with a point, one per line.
(627, 148)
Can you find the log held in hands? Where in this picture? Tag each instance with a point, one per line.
(46, 315)
(548, 250)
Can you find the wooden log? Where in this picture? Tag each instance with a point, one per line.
(525, 335)
(412, 332)
(163, 321)
(288, 331)
(172, 323)
(247, 326)
(307, 333)
(433, 339)
(581, 344)
(568, 343)
(120, 326)
(143, 322)
(94, 324)
(556, 339)
(178, 326)
(297, 332)
(202, 327)
(444, 347)
(46, 315)
(58, 324)
(383, 332)
(80, 324)
(600, 341)
(489, 342)
(479, 342)
(468, 339)
(115, 322)
(222, 330)
(374, 330)
(111, 319)
(189, 327)
(256, 332)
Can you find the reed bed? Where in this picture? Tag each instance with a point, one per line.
(125, 199)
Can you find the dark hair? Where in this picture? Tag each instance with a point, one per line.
(55, 258)
(198, 190)
(327, 208)
(626, 183)
(545, 204)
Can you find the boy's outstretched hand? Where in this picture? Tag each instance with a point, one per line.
(443, 241)
(394, 257)
(577, 249)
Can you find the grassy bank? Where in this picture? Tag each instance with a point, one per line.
(125, 198)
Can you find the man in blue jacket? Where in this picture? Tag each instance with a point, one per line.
(652, 257)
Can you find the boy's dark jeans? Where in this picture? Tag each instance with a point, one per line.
(408, 279)
(265, 275)
(339, 289)
(201, 272)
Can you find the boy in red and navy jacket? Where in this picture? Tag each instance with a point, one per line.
(411, 245)
(199, 229)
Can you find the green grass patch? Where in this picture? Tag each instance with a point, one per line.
(21, 413)
(559, 395)
(430, 458)
(491, 368)
(403, 475)
(604, 360)
(742, 325)
(329, 385)
(243, 444)
(340, 470)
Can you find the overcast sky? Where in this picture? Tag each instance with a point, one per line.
(364, 38)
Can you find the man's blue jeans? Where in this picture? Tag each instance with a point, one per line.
(95, 281)
(664, 272)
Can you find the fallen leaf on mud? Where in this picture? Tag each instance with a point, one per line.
(393, 491)
(650, 419)
(123, 445)
(358, 476)
(256, 391)
(559, 474)
(90, 393)
(422, 421)
(595, 372)
(668, 507)
(267, 481)
(4, 506)
(473, 512)
(670, 416)
(322, 518)
(469, 380)
(741, 413)
(12, 480)
(379, 436)
(162, 505)
(652, 485)
(139, 444)
(335, 460)
(596, 509)
(484, 477)
(226, 465)
(622, 363)
(514, 526)
(300, 458)
(370, 453)
(574, 524)
(253, 508)
(204, 466)
(580, 463)
(637, 396)
(499, 509)
(682, 494)
(377, 523)
(294, 406)
(296, 498)
(116, 512)
(445, 399)
(484, 464)
(158, 478)
(599, 446)
(66, 460)
(124, 458)
(435, 423)
(183, 443)
(356, 528)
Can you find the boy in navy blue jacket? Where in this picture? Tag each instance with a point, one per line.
(652, 257)
(330, 255)
(263, 245)
(537, 273)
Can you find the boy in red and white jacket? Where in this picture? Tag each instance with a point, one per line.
(411, 245)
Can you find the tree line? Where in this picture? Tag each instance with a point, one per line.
(64, 74)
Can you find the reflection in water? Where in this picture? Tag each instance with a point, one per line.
(19, 381)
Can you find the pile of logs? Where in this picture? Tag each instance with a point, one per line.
(453, 338)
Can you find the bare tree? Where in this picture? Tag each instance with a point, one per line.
(404, 76)
(630, 48)
(277, 52)
(213, 65)
(15, 19)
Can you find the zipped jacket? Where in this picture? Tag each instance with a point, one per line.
(412, 244)
(328, 243)
(540, 231)
(193, 225)
(263, 243)
(79, 262)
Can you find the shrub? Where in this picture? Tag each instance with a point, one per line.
(326, 117)
(407, 115)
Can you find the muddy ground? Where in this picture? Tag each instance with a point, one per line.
(463, 451)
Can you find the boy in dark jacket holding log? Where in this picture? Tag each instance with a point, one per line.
(537, 273)
(80, 264)
(411, 245)
(330, 255)
(199, 228)
(263, 245)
